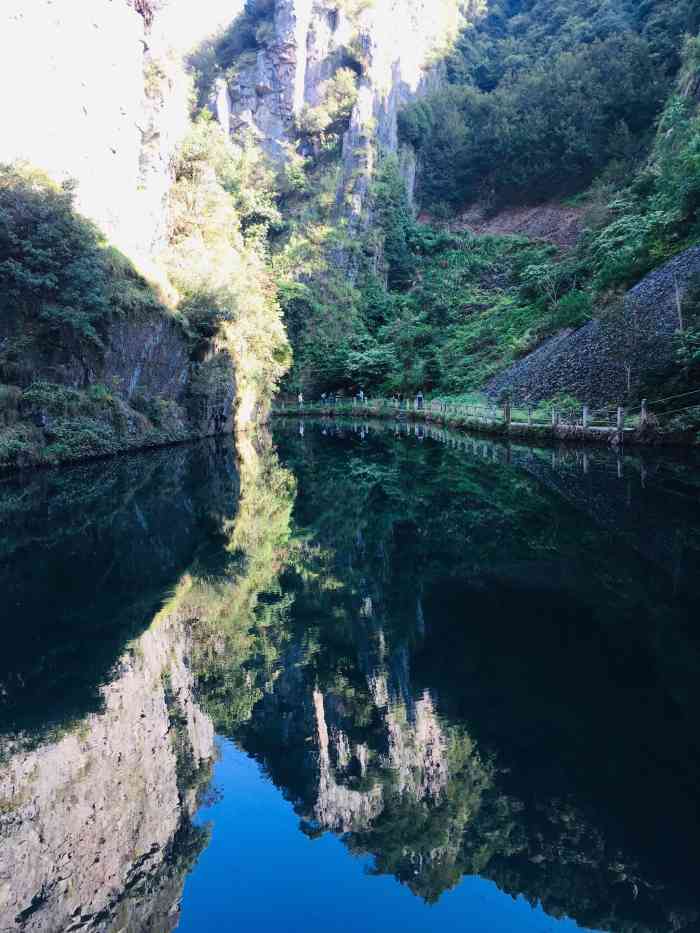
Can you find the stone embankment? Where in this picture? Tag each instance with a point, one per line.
(593, 362)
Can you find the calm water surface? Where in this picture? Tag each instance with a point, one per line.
(360, 678)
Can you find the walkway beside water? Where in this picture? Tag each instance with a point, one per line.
(614, 427)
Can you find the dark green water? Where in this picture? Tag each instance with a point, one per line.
(357, 680)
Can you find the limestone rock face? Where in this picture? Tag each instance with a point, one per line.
(89, 824)
(102, 100)
(313, 728)
(390, 41)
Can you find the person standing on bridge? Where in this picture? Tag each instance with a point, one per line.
(300, 399)
(420, 400)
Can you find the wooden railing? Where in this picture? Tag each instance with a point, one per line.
(507, 414)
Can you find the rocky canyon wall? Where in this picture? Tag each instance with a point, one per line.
(102, 101)
(391, 44)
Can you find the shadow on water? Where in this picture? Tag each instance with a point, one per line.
(458, 656)
(88, 555)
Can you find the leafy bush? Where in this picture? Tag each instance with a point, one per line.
(327, 122)
(223, 211)
(59, 282)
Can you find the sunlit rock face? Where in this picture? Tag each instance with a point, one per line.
(392, 42)
(91, 825)
(102, 98)
(340, 808)
(399, 39)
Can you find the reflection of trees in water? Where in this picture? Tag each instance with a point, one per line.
(90, 553)
(367, 719)
(96, 804)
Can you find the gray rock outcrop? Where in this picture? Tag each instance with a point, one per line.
(390, 41)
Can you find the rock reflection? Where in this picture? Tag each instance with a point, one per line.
(96, 827)
(104, 751)
(450, 706)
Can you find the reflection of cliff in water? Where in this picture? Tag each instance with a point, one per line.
(450, 708)
(104, 749)
(96, 828)
(438, 657)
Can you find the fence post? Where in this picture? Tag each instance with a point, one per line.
(506, 413)
(644, 414)
(586, 416)
(529, 415)
(555, 417)
(620, 421)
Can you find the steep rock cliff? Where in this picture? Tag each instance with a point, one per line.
(388, 43)
(104, 102)
(105, 109)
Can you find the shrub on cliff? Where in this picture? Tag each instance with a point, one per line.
(223, 208)
(325, 124)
